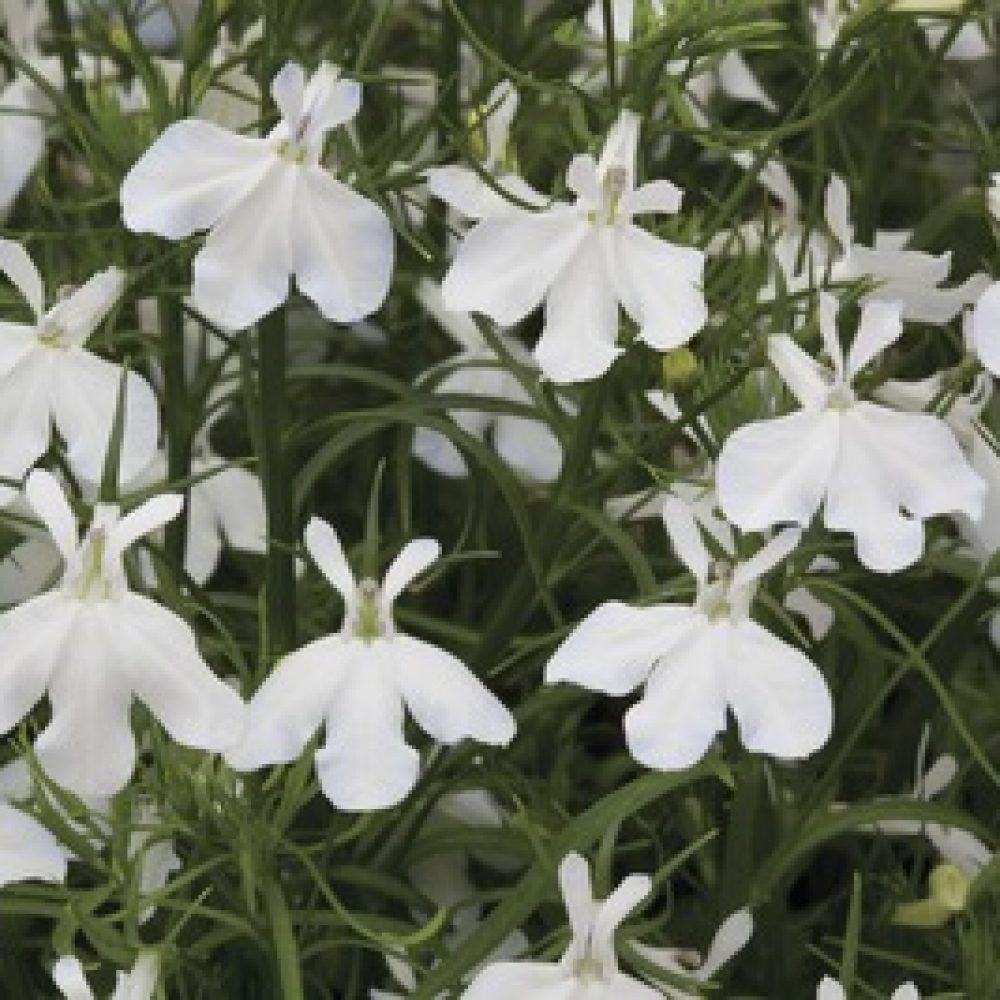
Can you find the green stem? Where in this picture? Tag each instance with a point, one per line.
(280, 565)
(63, 33)
(285, 946)
(176, 416)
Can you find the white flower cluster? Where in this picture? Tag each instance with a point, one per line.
(833, 445)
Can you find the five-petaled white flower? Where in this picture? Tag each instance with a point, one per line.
(589, 966)
(358, 681)
(877, 472)
(584, 260)
(527, 445)
(272, 209)
(830, 989)
(138, 984)
(94, 645)
(698, 661)
(47, 376)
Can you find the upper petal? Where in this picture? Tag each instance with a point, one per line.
(881, 325)
(776, 471)
(83, 311)
(323, 544)
(445, 698)
(67, 974)
(21, 270)
(415, 557)
(802, 375)
(342, 248)
(48, 501)
(780, 699)
(986, 328)
(193, 175)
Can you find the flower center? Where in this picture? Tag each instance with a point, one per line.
(612, 189)
(52, 335)
(93, 584)
(589, 969)
(840, 397)
(369, 618)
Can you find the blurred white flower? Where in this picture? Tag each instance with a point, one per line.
(730, 939)
(24, 105)
(984, 328)
(527, 445)
(67, 974)
(272, 209)
(28, 850)
(94, 645)
(47, 376)
(697, 661)
(584, 260)
(957, 847)
(359, 681)
(877, 472)
(589, 966)
(830, 989)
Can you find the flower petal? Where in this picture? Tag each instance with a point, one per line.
(20, 269)
(342, 249)
(612, 913)
(82, 312)
(28, 850)
(88, 746)
(507, 263)
(737, 81)
(578, 895)
(145, 519)
(67, 974)
(48, 501)
(581, 319)
(465, 191)
(22, 137)
(830, 989)
(192, 176)
(412, 560)
(330, 100)
(780, 699)
(620, 146)
(661, 196)
(35, 637)
(365, 763)
(244, 269)
(765, 559)
(777, 471)
(529, 447)
(659, 284)
(683, 707)
(289, 707)
(986, 328)
(445, 698)
(730, 939)
(236, 497)
(29, 568)
(802, 375)
(537, 980)
(881, 325)
(615, 648)
(685, 537)
(288, 89)
(84, 394)
(323, 544)
(159, 655)
(25, 395)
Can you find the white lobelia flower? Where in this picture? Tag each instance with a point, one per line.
(877, 472)
(583, 260)
(956, 846)
(464, 189)
(527, 445)
(47, 376)
(94, 645)
(359, 681)
(67, 974)
(589, 966)
(730, 939)
(984, 328)
(28, 850)
(696, 661)
(272, 209)
(830, 989)
(24, 104)
(993, 196)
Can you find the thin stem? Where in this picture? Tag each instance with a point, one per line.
(280, 565)
(285, 946)
(177, 418)
(63, 33)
